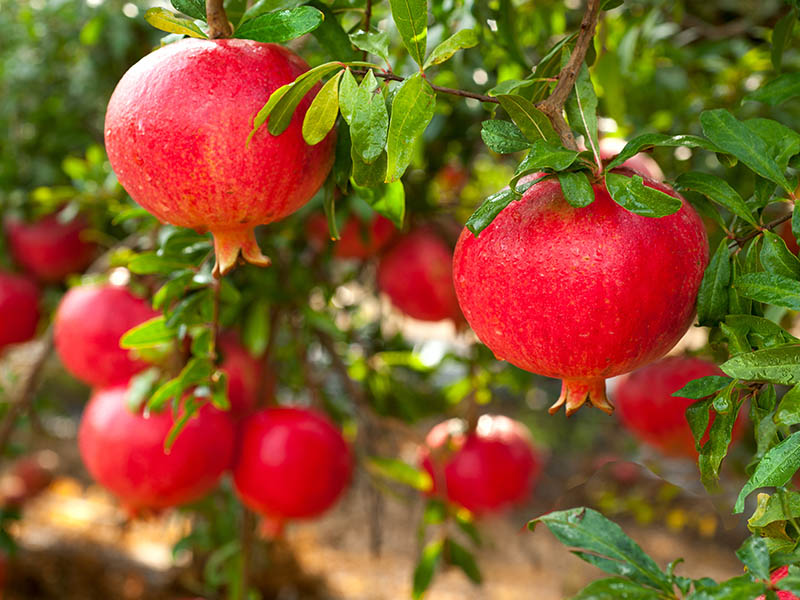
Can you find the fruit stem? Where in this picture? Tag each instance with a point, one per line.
(575, 392)
(217, 19)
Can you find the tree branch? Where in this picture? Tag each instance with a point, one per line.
(438, 88)
(217, 19)
(553, 105)
(741, 241)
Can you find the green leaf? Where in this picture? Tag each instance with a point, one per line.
(788, 411)
(368, 175)
(737, 588)
(777, 91)
(616, 588)
(168, 21)
(321, 115)
(411, 20)
(544, 155)
(281, 26)
(576, 187)
(494, 205)
(283, 109)
(194, 8)
(152, 332)
(712, 298)
(781, 34)
(140, 387)
(457, 555)
(260, 7)
(149, 263)
(650, 140)
(717, 190)
(348, 96)
(769, 288)
(733, 136)
(581, 109)
(503, 137)
(369, 120)
(611, 550)
(796, 224)
(702, 387)
(777, 258)
(775, 469)
(715, 449)
(531, 121)
(775, 365)
(331, 36)
(412, 110)
(631, 194)
(401, 472)
(777, 507)
(373, 43)
(698, 418)
(782, 143)
(755, 556)
(460, 40)
(428, 561)
(255, 332)
(388, 199)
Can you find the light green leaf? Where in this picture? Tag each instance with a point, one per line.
(650, 140)
(616, 588)
(369, 120)
(531, 121)
(321, 115)
(282, 111)
(423, 573)
(412, 110)
(411, 19)
(171, 22)
(374, 43)
(152, 332)
(460, 40)
(281, 26)
(401, 472)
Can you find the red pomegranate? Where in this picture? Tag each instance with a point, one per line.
(124, 451)
(292, 463)
(776, 576)
(88, 325)
(642, 163)
(356, 239)
(581, 294)
(647, 408)
(19, 309)
(245, 376)
(176, 133)
(49, 249)
(416, 273)
(788, 237)
(485, 471)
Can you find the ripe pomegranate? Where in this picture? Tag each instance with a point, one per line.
(244, 373)
(88, 325)
(647, 408)
(642, 163)
(124, 451)
(776, 576)
(292, 463)
(19, 309)
(176, 133)
(581, 294)
(417, 275)
(485, 471)
(49, 249)
(356, 239)
(788, 237)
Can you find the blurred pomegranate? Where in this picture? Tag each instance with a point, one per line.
(19, 309)
(356, 239)
(27, 478)
(245, 376)
(788, 237)
(776, 576)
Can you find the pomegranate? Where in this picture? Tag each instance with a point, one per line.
(124, 451)
(776, 576)
(581, 294)
(292, 463)
(642, 163)
(88, 325)
(788, 237)
(416, 273)
(19, 309)
(648, 409)
(49, 249)
(356, 239)
(244, 373)
(485, 471)
(177, 130)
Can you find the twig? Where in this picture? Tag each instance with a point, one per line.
(266, 368)
(367, 21)
(217, 19)
(741, 241)
(553, 105)
(246, 543)
(438, 88)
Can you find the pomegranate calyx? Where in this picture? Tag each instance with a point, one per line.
(231, 244)
(575, 392)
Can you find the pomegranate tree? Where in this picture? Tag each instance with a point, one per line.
(19, 307)
(291, 463)
(581, 294)
(487, 470)
(196, 168)
(248, 384)
(356, 239)
(124, 451)
(88, 325)
(647, 408)
(48, 248)
(416, 273)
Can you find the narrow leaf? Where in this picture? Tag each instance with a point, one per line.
(411, 19)
(702, 387)
(712, 298)
(503, 137)
(577, 188)
(531, 121)
(717, 190)
(281, 26)
(401, 472)
(373, 43)
(781, 34)
(460, 40)
(194, 8)
(369, 121)
(631, 194)
(650, 140)
(283, 110)
(769, 288)
(615, 588)
(168, 21)
(581, 109)
(775, 469)
(777, 91)
(321, 115)
(412, 110)
(775, 365)
(423, 573)
(462, 558)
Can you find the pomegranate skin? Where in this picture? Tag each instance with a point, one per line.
(356, 239)
(244, 373)
(49, 249)
(19, 309)
(581, 294)
(776, 576)
(641, 163)
(292, 463)
(788, 237)
(177, 129)
(124, 451)
(646, 407)
(416, 273)
(88, 325)
(486, 471)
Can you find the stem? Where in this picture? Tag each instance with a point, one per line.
(246, 543)
(553, 106)
(367, 20)
(217, 19)
(438, 88)
(216, 287)
(740, 241)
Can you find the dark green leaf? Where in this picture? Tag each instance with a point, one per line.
(149, 263)
(194, 8)
(770, 288)
(778, 90)
(581, 109)
(649, 140)
(788, 411)
(698, 418)
(616, 588)
(631, 194)
(462, 558)
(423, 573)
(503, 137)
(411, 20)
(755, 556)
(321, 114)
(712, 298)
(531, 121)
(460, 40)
(401, 472)
(775, 365)
(168, 21)
(259, 7)
(738, 588)
(544, 155)
(370, 120)
(577, 188)
(373, 43)
(715, 449)
(412, 110)
(702, 387)
(782, 143)
(717, 190)
(780, 36)
(775, 469)
(152, 332)
(281, 26)
(331, 36)
(494, 205)
(776, 257)
(368, 175)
